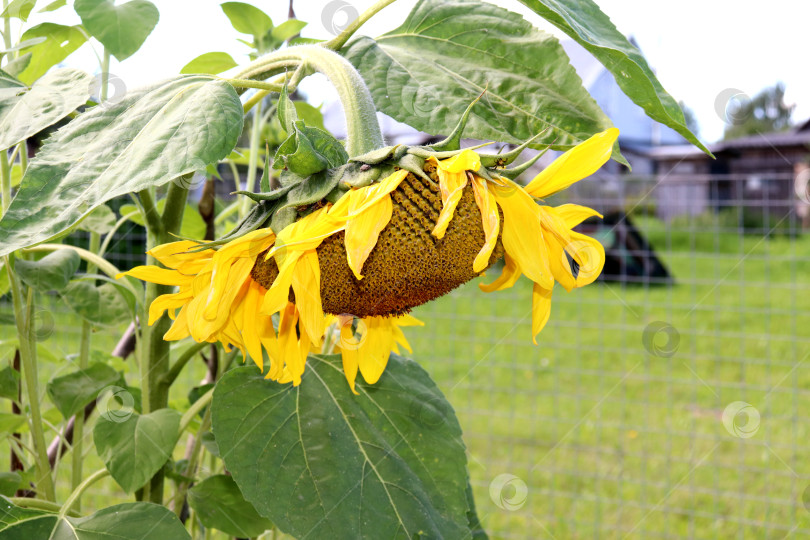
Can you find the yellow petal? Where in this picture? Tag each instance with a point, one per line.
(541, 309)
(167, 301)
(351, 363)
(466, 160)
(371, 195)
(179, 328)
(574, 214)
(451, 185)
(154, 274)
(175, 254)
(523, 236)
(509, 275)
(590, 254)
(491, 221)
(363, 231)
(577, 163)
(250, 323)
(306, 284)
(376, 349)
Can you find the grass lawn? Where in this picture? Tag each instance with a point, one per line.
(610, 440)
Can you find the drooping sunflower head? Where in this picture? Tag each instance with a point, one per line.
(339, 258)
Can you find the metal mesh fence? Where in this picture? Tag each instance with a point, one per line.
(665, 401)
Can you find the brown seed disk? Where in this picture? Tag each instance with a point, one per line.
(408, 266)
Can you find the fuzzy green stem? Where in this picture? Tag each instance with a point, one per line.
(24, 315)
(105, 75)
(170, 376)
(249, 83)
(195, 408)
(5, 181)
(340, 40)
(155, 365)
(39, 504)
(250, 182)
(84, 357)
(362, 129)
(74, 497)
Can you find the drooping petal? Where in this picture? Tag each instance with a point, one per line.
(179, 328)
(363, 231)
(163, 302)
(509, 275)
(306, 284)
(466, 160)
(154, 274)
(376, 349)
(523, 237)
(541, 309)
(176, 254)
(577, 163)
(590, 255)
(452, 180)
(250, 320)
(491, 221)
(574, 214)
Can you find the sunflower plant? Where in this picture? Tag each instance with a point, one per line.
(312, 418)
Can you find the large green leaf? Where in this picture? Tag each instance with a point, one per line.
(103, 305)
(59, 43)
(220, 505)
(136, 448)
(19, 9)
(9, 383)
(128, 521)
(121, 29)
(585, 23)
(446, 53)
(151, 136)
(52, 272)
(321, 462)
(51, 98)
(71, 392)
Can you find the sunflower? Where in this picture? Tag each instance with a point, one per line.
(347, 273)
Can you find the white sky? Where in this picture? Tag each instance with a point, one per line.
(699, 48)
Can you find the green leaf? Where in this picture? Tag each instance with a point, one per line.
(153, 135)
(121, 29)
(16, 66)
(220, 505)
(10, 423)
(211, 63)
(426, 72)
(9, 81)
(287, 114)
(60, 42)
(128, 521)
(9, 483)
(71, 392)
(287, 29)
(134, 449)
(18, 9)
(584, 22)
(53, 6)
(247, 19)
(309, 150)
(9, 383)
(101, 220)
(322, 462)
(24, 44)
(51, 98)
(52, 272)
(102, 305)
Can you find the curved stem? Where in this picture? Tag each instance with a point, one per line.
(362, 129)
(39, 504)
(170, 376)
(250, 182)
(340, 40)
(249, 83)
(195, 408)
(81, 488)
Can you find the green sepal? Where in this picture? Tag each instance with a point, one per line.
(287, 114)
(267, 195)
(425, 152)
(516, 171)
(309, 150)
(502, 160)
(264, 183)
(414, 164)
(381, 154)
(453, 141)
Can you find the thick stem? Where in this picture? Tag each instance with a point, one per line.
(24, 314)
(362, 129)
(84, 357)
(105, 75)
(155, 365)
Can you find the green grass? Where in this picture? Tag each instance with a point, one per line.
(610, 440)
